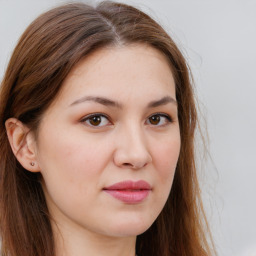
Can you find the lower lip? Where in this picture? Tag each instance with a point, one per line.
(129, 196)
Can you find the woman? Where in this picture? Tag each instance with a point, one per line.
(97, 131)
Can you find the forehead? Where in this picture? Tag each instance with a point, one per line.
(121, 71)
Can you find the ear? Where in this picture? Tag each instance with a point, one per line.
(23, 144)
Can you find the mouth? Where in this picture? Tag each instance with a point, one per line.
(129, 192)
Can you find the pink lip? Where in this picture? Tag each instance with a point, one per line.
(129, 191)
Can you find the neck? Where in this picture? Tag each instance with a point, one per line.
(80, 242)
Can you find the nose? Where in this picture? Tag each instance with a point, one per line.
(132, 150)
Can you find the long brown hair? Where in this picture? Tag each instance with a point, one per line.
(44, 56)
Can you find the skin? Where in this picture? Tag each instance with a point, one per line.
(78, 157)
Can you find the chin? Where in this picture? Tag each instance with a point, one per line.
(131, 227)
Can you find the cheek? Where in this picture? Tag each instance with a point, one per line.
(72, 149)
(71, 169)
(75, 161)
(166, 157)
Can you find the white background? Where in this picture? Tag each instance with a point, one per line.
(218, 37)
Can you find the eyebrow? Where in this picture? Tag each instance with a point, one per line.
(101, 100)
(107, 102)
(165, 100)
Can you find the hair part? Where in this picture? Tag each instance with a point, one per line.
(47, 51)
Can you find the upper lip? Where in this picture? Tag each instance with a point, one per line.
(129, 185)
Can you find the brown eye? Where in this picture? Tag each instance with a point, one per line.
(96, 120)
(159, 120)
(154, 119)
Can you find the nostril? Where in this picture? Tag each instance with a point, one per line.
(127, 164)
(134, 166)
(127, 158)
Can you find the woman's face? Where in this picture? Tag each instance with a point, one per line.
(107, 147)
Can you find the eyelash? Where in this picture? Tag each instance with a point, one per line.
(86, 119)
(168, 118)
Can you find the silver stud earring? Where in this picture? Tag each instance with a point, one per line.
(32, 164)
